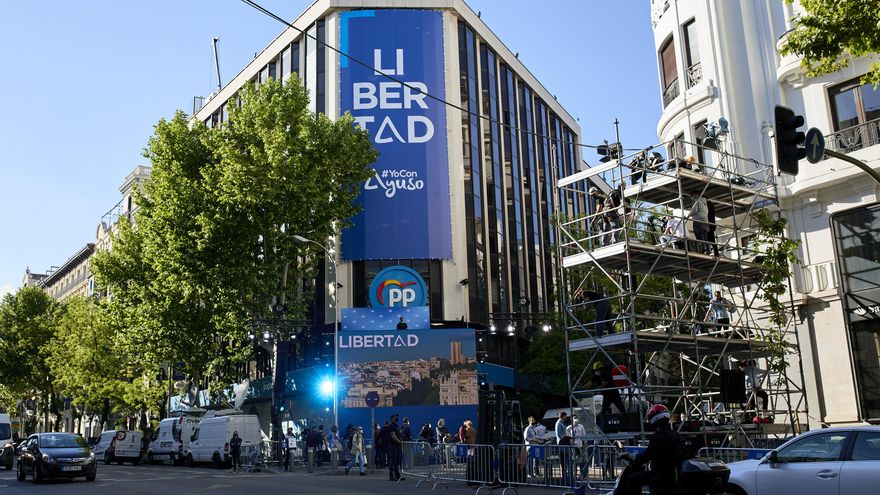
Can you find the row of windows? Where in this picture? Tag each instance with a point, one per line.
(508, 233)
(669, 66)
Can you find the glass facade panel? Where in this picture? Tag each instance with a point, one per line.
(321, 75)
(516, 248)
(530, 199)
(294, 58)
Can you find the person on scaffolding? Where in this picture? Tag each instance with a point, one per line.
(665, 452)
(602, 379)
(601, 304)
(608, 212)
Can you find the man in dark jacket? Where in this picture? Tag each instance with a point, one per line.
(665, 452)
(235, 451)
(395, 450)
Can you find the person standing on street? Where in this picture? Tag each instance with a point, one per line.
(561, 425)
(577, 432)
(406, 431)
(290, 451)
(313, 441)
(395, 450)
(357, 451)
(334, 445)
(530, 436)
(235, 451)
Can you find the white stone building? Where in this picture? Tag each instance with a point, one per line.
(720, 58)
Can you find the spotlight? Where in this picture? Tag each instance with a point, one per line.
(293, 336)
(266, 336)
(492, 328)
(546, 327)
(251, 337)
(510, 328)
(327, 387)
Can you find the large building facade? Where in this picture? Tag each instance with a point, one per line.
(463, 191)
(720, 59)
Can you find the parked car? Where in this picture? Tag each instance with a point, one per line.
(832, 461)
(7, 447)
(119, 446)
(171, 440)
(56, 455)
(210, 441)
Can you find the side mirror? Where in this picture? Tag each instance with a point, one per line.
(772, 457)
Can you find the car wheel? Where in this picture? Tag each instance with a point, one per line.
(106, 458)
(38, 478)
(189, 461)
(119, 462)
(136, 462)
(217, 463)
(150, 459)
(90, 477)
(173, 460)
(19, 475)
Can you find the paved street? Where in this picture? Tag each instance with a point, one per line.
(134, 480)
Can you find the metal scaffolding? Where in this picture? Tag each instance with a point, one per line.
(637, 283)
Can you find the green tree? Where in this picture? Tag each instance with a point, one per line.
(831, 33)
(212, 245)
(27, 326)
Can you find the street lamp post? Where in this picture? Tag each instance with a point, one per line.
(303, 240)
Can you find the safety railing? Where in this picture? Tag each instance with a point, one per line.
(468, 463)
(418, 462)
(252, 458)
(555, 466)
(732, 454)
(604, 465)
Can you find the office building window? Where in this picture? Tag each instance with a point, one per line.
(321, 76)
(669, 71)
(294, 58)
(284, 70)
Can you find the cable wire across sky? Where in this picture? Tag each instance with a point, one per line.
(415, 89)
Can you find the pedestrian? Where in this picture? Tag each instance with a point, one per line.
(235, 451)
(313, 440)
(290, 450)
(382, 450)
(334, 446)
(530, 437)
(462, 432)
(426, 434)
(357, 451)
(346, 440)
(395, 451)
(406, 431)
(700, 221)
(322, 445)
(610, 396)
(442, 431)
(577, 432)
(560, 426)
(601, 322)
(720, 309)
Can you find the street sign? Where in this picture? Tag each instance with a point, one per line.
(815, 145)
(372, 399)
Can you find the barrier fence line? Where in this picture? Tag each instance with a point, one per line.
(417, 462)
(252, 458)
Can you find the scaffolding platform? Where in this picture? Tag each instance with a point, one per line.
(637, 257)
(660, 341)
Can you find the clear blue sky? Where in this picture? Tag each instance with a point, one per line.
(84, 83)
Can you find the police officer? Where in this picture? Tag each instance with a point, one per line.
(395, 449)
(665, 452)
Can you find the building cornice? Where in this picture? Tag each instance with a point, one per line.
(74, 261)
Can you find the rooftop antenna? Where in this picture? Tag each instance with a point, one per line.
(217, 63)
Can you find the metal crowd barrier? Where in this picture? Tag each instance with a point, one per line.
(417, 462)
(469, 463)
(555, 466)
(732, 454)
(252, 458)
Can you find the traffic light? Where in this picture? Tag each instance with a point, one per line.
(788, 139)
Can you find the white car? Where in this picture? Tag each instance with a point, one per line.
(833, 461)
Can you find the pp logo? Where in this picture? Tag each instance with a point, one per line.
(398, 287)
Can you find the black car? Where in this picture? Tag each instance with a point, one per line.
(7, 455)
(56, 455)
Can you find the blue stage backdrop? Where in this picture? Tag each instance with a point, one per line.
(406, 212)
(371, 319)
(422, 375)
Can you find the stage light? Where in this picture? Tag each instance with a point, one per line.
(267, 336)
(546, 327)
(327, 387)
(510, 329)
(492, 328)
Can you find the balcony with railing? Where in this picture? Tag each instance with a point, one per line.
(671, 92)
(855, 138)
(694, 75)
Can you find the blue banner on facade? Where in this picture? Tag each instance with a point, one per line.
(406, 210)
(368, 319)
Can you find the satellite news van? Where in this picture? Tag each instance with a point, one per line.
(171, 440)
(210, 441)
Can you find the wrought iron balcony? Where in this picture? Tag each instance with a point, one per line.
(694, 75)
(671, 92)
(855, 138)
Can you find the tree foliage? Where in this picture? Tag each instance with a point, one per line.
(831, 33)
(212, 244)
(27, 326)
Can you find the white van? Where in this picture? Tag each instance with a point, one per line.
(171, 440)
(6, 449)
(210, 441)
(119, 446)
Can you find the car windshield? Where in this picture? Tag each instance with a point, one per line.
(5, 431)
(62, 441)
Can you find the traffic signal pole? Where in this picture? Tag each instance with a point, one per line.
(858, 163)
